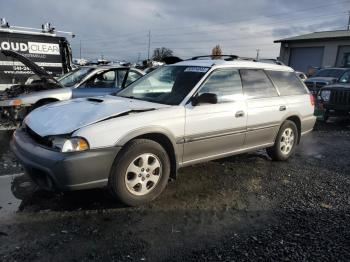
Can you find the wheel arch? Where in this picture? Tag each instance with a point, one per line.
(297, 121)
(44, 101)
(161, 136)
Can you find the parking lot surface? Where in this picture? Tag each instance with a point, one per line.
(239, 208)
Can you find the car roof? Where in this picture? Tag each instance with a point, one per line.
(235, 63)
(104, 66)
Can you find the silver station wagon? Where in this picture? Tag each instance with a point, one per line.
(178, 115)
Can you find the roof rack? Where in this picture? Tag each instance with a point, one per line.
(46, 29)
(229, 57)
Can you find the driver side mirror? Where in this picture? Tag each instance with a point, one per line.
(205, 98)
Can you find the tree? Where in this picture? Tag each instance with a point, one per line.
(216, 52)
(160, 53)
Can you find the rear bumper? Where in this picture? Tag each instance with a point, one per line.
(307, 124)
(54, 170)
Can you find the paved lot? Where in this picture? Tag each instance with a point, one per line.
(239, 208)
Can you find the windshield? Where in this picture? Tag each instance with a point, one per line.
(71, 78)
(167, 85)
(329, 73)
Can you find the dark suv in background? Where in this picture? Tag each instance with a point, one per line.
(335, 98)
(325, 77)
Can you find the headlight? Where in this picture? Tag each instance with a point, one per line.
(325, 95)
(74, 144)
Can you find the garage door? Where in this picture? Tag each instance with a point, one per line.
(302, 58)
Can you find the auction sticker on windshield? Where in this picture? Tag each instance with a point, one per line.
(198, 69)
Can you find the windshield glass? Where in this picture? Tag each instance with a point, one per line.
(71, 78)
(329, 73)
(167, 85)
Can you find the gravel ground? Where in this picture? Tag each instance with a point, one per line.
(239, 208)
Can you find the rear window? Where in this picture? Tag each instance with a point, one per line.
(287, 83)
(256, 84)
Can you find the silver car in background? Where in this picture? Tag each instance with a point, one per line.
(42, 89)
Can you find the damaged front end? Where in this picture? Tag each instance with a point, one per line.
(12, 109)
(12, 116)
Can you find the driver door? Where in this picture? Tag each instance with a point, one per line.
(215, 130)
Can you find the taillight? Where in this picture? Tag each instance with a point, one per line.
(312, 99)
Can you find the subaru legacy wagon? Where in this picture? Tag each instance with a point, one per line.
(178, 115)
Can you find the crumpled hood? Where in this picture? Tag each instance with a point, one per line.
(66, 117)
(329, 80)
(39, 71)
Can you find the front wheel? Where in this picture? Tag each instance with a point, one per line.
(140, 172)
(285, 143)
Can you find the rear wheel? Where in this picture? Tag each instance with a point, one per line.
(140, 172)
(286, 141)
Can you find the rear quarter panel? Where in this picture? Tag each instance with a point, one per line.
(300, 105)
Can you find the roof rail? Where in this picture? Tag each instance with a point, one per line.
(229, 57)
(46, 29)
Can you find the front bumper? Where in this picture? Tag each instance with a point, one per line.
(336, 107)
(53, 170)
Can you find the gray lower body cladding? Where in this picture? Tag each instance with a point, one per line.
(54, 170)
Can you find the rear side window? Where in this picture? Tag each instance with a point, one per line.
(287, 83)
(256, 84)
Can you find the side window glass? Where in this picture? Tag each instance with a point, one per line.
(256, 84)
(345, 78)
(102, 80)
(132, 77)
(225, 83)
(287, 83)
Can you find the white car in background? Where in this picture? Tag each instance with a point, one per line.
(179, 115)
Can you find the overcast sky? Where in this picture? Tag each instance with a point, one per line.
(119, 29)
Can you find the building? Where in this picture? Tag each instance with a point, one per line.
(319, 49)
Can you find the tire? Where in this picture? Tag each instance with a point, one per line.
(281, 151)
(132, 181)
(326, 116)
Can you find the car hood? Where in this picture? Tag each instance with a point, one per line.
(337, 87)
(321, 79)
(66, 117)
(39, 71)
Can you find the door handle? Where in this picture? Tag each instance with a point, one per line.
(283, 108)
(239, 114)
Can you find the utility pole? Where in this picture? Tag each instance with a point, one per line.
(349, 22)
(257, 54)
(149, 44)
(138, 57)
(80, 49)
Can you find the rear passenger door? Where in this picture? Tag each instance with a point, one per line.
(296, 96)
(265, 108)
(213, 130)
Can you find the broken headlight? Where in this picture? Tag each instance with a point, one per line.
(325, 95)
(74, 144)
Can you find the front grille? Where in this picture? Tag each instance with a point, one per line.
(37, 138)
(340, 97)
